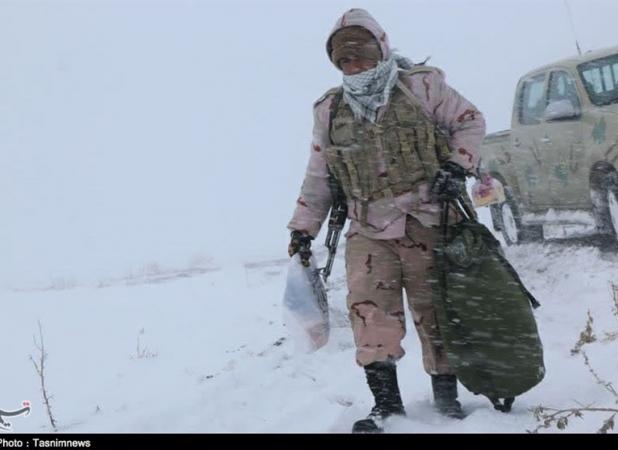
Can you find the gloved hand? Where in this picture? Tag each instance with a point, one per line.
(301, 244)
(449, 182)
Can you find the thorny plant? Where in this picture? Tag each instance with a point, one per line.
(560, 417)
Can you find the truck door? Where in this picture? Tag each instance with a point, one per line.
(527, 136)
(562, 141)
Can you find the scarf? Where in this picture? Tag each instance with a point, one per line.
(367, 91)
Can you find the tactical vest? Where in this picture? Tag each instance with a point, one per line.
(412, 148)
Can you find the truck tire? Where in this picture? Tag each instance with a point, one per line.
(604, 196)
(509, 221)
(612, 204)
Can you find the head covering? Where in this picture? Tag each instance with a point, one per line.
(367, 91)
(354, 41)
(357, 17)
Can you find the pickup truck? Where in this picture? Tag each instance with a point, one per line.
(558, 162)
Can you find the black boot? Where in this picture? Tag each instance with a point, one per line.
(445, 396)
(382, 380)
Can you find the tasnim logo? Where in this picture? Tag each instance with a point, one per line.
(18, 412)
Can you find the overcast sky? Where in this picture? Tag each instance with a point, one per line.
(141, 131)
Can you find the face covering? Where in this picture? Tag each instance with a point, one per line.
(367, 91)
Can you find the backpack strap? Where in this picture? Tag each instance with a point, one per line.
(339, 198)
(332, 91)
(334, 105)
(407, 92)
(337, 94)
(533, 301)
(419, 68)
(335, 185)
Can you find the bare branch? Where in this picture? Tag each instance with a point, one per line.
(585, 337)
(40, 370)
(560, 417)
(606, 384)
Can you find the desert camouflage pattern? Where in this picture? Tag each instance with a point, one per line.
(386, 159)
(386, 171)
(386, 217)
(377, 271)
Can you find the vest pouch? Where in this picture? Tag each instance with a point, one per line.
(345, 134)
(385, 159)
(443, 152)
(347, 162)
(403, 161)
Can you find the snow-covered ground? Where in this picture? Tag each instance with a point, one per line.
(214, 356)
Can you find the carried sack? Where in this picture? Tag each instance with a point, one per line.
(484, 313)
(305, 306)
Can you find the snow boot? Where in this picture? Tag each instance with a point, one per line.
(445, 396)
(382, 380)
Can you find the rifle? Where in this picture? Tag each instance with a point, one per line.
(336, 222)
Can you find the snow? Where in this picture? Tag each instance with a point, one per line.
(145, 185)
(219, 359)
(135, 132)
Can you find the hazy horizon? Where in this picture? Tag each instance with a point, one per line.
(134, 132)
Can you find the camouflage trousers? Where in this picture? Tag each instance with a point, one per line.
(377, 271)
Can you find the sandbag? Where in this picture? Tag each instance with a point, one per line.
(485, 313)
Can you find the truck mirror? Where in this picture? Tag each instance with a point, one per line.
(560, 110)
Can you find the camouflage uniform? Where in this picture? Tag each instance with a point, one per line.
(385, 169)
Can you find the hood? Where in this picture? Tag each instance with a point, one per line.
(360, 17)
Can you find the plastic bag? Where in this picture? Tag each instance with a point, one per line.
(487, 191)
(305, 306)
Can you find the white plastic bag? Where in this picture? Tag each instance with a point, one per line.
(305, 306)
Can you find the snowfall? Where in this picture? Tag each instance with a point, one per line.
(205, 349)
(145, 205)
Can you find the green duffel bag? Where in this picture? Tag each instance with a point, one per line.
(484, 312)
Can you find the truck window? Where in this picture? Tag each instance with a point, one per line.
(600, 77)
(531, 100)
(562, 87)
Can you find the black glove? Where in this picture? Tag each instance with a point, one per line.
(301, 244)
(449, 182)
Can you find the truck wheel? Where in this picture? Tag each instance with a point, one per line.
(604, 197)
(612, 207)
(512, 229)
(510, 225)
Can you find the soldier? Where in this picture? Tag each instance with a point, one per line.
(397, 139)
